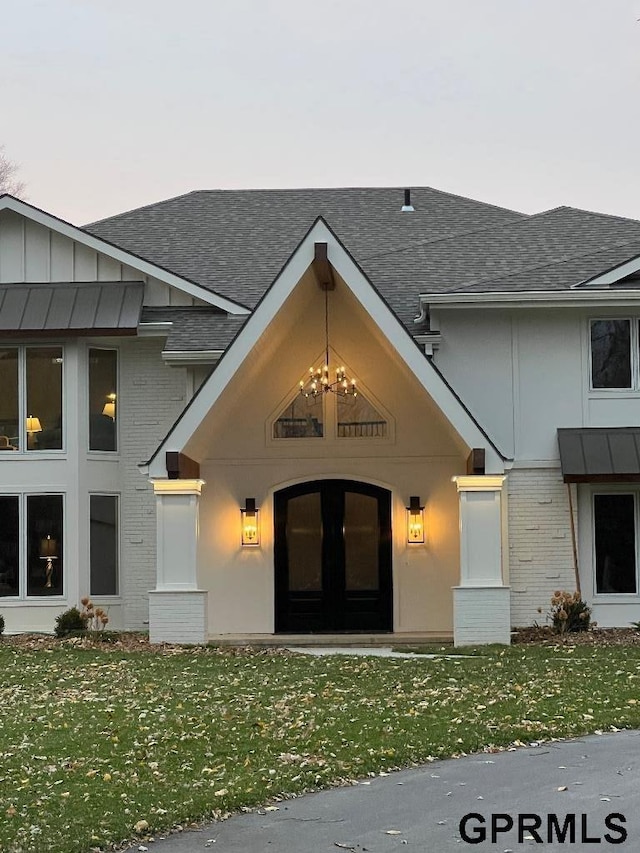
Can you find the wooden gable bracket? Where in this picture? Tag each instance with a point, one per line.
(322, 268)
(476, 461)
(181, 467)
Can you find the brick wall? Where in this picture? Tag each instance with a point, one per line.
(151, 397)
(178, 617)
(480, 615)
(540, 549)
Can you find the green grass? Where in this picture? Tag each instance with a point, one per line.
(93, 741)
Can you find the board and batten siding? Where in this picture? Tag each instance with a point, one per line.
(32, 253)
(525, 373)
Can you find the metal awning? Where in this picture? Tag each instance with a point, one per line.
(63, 308)
(600, 454)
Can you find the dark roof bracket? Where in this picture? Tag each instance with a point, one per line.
(322, 268)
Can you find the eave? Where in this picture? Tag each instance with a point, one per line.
(535, 299)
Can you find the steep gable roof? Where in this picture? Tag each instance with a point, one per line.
(201, 405)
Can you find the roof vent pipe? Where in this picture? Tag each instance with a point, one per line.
(407, 207)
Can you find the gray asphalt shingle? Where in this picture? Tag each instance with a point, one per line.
(196, 329)
(234, 242)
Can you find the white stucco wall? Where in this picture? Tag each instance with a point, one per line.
(240, 459)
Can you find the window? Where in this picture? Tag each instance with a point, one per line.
(330, 414)
(37, 568)
(358, 418)
(9, 419)
(303, 418)
(103, 537)
(103, 399)
(31, 399)
(9, 545)
(614, 354)
(614, 521)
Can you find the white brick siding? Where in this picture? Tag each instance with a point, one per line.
(540, 549)
(481, 615)
(151, 397)
(178, 617)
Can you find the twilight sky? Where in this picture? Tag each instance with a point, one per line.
(112, 104)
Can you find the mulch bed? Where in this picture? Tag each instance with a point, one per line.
(139, 642)
(595, 637)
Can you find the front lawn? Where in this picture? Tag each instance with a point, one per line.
(94, 741)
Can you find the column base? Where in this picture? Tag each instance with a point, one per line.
(481, 615)
(178, 616)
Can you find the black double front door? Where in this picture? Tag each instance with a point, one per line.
(333, 557)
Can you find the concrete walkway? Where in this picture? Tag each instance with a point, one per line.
(421, 809)
(364, 651)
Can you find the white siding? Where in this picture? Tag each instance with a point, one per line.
(29, 252)
(524, 373)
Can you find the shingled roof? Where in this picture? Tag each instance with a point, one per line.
(234, 242)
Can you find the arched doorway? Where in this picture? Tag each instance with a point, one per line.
(333, 557)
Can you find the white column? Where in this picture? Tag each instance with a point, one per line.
(177, 606)
(481, 603)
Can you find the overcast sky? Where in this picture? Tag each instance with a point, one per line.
(112, 104)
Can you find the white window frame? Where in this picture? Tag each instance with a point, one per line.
(23, 596)
(111, 597)
(22, 452)
(107, 454)
(634, 343)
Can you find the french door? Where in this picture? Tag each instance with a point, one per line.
(333, 557)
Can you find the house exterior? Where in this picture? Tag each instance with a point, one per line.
(473, 445)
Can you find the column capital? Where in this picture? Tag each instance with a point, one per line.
(480, 482)
(177, 487)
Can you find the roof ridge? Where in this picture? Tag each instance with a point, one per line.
(603, 215)
(564, 260)
(484, 204)
(141, 207)
(525, 218)
(398, 187)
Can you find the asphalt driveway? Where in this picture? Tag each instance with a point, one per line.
(567, 794)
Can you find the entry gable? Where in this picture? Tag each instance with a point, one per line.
(180, 437)
(36, 247)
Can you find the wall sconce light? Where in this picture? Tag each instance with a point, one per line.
(32, 426)
(415, 521)
(109, 408)
(250, 527)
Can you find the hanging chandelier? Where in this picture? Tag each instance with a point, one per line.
(320, 379)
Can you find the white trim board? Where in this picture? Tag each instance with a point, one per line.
(535, 298)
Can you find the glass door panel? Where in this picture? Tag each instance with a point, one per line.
(304, 543)
(361, 530)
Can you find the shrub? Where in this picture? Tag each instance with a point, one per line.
(569, 612)
(1, 625)
(70, 623)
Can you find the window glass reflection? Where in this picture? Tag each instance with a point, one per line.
(43, 421)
